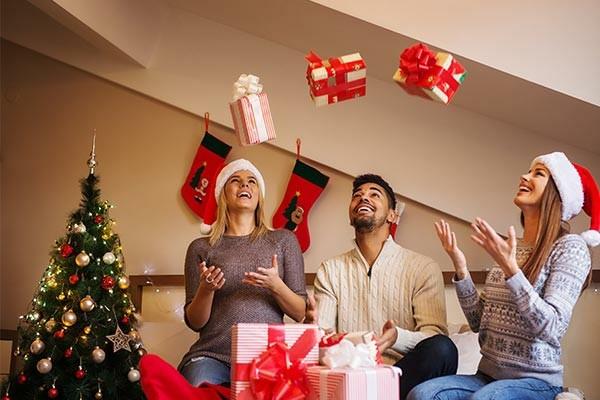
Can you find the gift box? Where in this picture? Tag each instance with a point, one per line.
(376, 383)
(268, 361)
(336, 79)
(425, 74)
(250, 112)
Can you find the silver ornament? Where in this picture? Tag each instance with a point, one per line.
(133, 375)
(87, 304)
(98, 355)
(82, 259)
(69, 318)
(44, 365)
(79, 228)
(108, 258)
(37, 346)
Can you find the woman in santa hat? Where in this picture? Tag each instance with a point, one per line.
(528, 299)
(242, 272)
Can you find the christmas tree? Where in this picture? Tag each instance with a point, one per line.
(79, 339)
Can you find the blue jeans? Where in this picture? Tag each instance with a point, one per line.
(206, 370)
(482, 387)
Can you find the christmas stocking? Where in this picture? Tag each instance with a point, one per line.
(199, 187)
(304, 187)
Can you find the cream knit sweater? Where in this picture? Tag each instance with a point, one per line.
(404, 286)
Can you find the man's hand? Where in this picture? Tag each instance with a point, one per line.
(311, 316)
(388, 337)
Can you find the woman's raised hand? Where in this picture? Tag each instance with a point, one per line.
(211, 278)
(448, 240)
(504, 252)
(265, 277)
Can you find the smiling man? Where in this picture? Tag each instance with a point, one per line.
(382, 287)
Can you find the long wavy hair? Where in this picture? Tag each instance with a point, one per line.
(550, 228)
(219, 227)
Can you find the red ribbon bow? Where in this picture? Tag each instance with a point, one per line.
(416, 62)
(279, 373)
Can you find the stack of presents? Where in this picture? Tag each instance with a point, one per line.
(297, 361)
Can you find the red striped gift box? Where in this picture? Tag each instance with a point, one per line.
(249, 341)
(252, 119)
(377, 383)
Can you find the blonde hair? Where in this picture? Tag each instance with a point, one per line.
(220, 225)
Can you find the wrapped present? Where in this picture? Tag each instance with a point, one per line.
(352, 350)
(250, 111)
(377, 383)
(336, 79)
(270, 361)
(425, 74)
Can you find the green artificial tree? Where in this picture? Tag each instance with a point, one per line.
(79, 339)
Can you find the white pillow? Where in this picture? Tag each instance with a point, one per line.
(467, 344)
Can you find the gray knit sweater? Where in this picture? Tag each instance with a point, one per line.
(520, 326)
(236, 302)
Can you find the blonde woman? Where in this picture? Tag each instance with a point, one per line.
(528, 299)
(242, 272)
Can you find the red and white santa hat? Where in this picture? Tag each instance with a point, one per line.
(577, 189)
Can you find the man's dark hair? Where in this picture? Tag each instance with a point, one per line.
(372, 178)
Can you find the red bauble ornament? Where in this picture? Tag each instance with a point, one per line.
(98, 219)
(5, 397)
(66, 250)
(125, 320)
(59, 334)
(108, 282)
(22, 378)
(73, 279)
(53, 392)
(80, 373)
(68, 352)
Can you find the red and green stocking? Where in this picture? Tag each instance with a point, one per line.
(199, 187)
(304, 188)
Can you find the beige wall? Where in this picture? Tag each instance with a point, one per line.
(144, 149)
(459, 154)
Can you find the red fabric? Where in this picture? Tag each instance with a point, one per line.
(160, 381)
(301, 194)
(198, 191)
(591, 196)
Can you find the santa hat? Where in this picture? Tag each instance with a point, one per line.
(228, 170)
(577, 190)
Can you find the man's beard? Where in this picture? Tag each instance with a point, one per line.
(366, 224)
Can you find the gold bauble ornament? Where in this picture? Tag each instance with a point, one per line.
(87, 304)
(49, 325)
(44, 365)
(98, 355)
(37, 346)
(123, 282)
(87, 330)
(98, 395)
(69, 318)
(61, 296)
(82, 259)
(52, 283)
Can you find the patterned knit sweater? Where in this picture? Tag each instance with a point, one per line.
(520, 325)
(237, 302)
(401, 285)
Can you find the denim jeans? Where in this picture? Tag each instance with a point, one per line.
(205, 370)
(482, 387)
